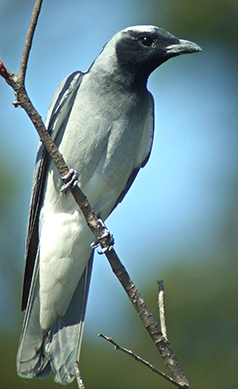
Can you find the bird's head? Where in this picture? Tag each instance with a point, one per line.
(137, 51)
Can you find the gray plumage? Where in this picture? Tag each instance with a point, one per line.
(103, 122)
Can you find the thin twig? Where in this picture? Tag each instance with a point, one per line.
(28, 42)
(149, 323)
(98, 229)
(96, 225)
(143, 361)
(78, 376)
(161, 306)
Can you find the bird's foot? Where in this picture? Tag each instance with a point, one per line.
(106, 238)
(71, 179)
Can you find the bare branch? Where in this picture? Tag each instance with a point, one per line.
(143, 361)
(28, 42)
(149, 323)
(78, 376)
(95, 224)
(161, 306)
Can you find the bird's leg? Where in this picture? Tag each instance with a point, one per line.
(106, 238)
(71, 179)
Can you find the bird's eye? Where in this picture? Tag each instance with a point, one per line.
(147, 41)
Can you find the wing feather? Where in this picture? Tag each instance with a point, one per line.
(59, 110)
(144, 151)
(40, 352)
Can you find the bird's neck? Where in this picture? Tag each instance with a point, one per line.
(108, 73)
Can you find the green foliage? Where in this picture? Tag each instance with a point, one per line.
(7, 186)
(201, 301)
(202, 320)
(213, 20)
(201, 298)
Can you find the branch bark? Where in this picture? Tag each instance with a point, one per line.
(95, 224)
(78, 376)
(161, 306)
(29, 39)
(139, 359)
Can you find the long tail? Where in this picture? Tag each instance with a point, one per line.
(58, 349)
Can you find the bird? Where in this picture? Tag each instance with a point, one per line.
(102, 121)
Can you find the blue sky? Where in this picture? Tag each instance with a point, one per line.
(178, 203)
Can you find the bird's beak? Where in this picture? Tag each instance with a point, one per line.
(182, 47)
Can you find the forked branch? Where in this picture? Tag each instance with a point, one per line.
(95, 224)
(141, 360)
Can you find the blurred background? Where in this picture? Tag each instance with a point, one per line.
(179, 222)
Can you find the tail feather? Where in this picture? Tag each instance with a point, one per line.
(58, 349)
